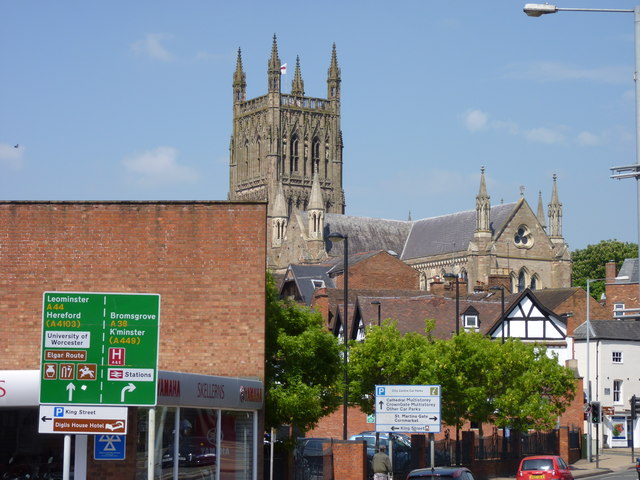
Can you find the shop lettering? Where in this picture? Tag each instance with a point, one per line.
(3, 392)
(252, 394)
(210, 390)
(168, 388)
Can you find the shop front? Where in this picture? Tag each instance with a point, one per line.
(203, 426)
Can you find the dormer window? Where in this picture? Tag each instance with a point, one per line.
(318, 283)
(470, 322)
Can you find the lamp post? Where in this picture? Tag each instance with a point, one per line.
(376, 302)
(339, 237)
(628, 171)
(589, 398)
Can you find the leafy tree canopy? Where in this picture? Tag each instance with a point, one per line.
(513, 384)
(303, 364)
(589, 263)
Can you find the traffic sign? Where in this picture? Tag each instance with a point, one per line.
(408, 408)
(109, 447)
(82, 420)
(99, 348)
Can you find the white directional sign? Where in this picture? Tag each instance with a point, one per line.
(80, 419)
(408, 408)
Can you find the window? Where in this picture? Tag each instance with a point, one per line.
(521, 281)
(293, 154)
(616, 357)
(618, 310)
(617, 391)
(318, 283)
(523, 237)
(470, 322)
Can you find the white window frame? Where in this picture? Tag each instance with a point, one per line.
(617, 392)
(618, 310)
(466, 319)
(616, 357)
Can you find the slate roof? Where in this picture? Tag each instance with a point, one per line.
(365, 234)
(552, 298)
(450, 233)
(304, 275)
(629, 269)
(626, 330)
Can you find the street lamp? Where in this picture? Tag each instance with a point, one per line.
(590, 413)
(336, 238)
(376, 302)
(629, 171)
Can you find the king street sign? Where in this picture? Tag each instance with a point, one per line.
(408, 408)
(99, 348)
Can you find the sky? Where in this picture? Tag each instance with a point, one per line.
(132, 100)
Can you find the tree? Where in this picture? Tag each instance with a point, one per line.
(589, 263)
(303, 364)
(513, 384)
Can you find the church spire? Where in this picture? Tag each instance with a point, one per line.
(239, 81)
(278, 218)
(333, 78)
(540, 213)
(297, 85)
(555, 212)
(315, 210)
(273, 69)
(483, 206)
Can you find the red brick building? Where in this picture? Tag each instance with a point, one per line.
(206, 260)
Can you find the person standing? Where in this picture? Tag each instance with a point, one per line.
(381, 464)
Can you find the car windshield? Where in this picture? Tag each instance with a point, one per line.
(538, 464)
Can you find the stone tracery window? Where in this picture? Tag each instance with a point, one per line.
(523, 237)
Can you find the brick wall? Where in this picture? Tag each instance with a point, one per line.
(381, 272)
(206, 260)
(349, 460)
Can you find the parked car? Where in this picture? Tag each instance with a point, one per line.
(543, 467)
(460, 473)
(400, 449)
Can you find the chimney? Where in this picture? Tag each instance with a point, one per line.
(610, 269)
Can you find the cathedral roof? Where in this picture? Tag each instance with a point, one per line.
(365, 234)
(449, 233)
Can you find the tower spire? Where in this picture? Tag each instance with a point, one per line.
(555, 212)
(273, 67)
(333, 77)
(540, 213)
(239, 81)
(315, 210)
(297, 85)
(483, 206)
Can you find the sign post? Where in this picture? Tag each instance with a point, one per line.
(408, 408)
(99, 348)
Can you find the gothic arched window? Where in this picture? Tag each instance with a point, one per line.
(294, 157)
(315, 155)
(258, 161)
(522, 282)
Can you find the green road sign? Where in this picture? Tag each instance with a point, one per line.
(99, 348)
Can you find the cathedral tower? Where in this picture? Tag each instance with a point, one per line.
(281, 141)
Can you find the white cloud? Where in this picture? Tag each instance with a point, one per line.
(545, 135)
(556, 71)
(151, 46)
(11, 155)
(588, 139)
(159, 167)
(475, 120)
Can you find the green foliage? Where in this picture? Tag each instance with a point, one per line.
(303, 364)
(513, 384)
(589, 263)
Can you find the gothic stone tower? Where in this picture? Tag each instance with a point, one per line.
(280, 142)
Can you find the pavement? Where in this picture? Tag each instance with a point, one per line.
(609, 460)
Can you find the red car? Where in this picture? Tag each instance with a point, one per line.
(544, 467)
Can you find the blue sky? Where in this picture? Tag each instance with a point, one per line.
(125, 100)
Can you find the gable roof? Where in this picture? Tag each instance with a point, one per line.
(626, 330)
(629, 269)
(450, 233)
(303, 277)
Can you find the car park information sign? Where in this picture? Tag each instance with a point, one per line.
(99, 348)
(408, 408)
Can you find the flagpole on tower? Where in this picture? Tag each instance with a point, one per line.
(283, 71)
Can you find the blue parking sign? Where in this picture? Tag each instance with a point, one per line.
(109, 447)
